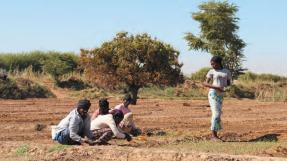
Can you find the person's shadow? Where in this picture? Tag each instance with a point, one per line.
(264, 138)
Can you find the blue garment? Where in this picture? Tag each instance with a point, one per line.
(76, 126)
(63, 137)
(215, 100)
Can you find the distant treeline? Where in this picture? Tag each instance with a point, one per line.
(54, 63)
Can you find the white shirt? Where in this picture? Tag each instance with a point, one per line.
(219, 77)
(74, 122)
(107, 121)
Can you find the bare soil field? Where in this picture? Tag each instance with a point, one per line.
(173, 130)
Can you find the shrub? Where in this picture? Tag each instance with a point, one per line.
(21, 61)
(72, 83)
(9, 89)
(200, 75)
(22, 150)
(54, 63)
(250, 76)
(238, 91)
(22, 88)
(60, 64)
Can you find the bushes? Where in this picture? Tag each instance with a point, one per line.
(22, 88)
(238, 91)
(54, 63)
(249, 76)
(200, 75)
(72, 83)
(21, 61)
(59, 64)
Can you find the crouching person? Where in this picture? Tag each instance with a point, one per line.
(105, 125)
(75, 127)
(127, 124)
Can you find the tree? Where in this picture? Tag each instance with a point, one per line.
(218, 25)
(135, 61)
(58, 64)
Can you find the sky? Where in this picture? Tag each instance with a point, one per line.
(68, 25)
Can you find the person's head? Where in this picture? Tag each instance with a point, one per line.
(104, 106)
(118, 116)
(127, 99)
(216, 62)
(83, 107)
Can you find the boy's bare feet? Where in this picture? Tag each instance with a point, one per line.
(215, 139)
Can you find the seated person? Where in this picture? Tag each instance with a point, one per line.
(127, 124)
(75, 126)
(101, 111)
(105, 125)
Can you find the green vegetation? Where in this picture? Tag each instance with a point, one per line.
(20, 61)
(172, 92)
(22, 150)
(200, 75)
(60, 64)
(135, 60)
(54, 63)
(58, 148)
(64, 73)
(249, 76)
(218, 34)
(234, 148)
(74, 81)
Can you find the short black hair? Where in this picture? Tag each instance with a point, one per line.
(104, 106)
(217, 59)
(118, 116)
(84, 104)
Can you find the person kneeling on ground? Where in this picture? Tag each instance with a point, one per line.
(104, 126)
(75, 126)
(127, 124)
(101, 111)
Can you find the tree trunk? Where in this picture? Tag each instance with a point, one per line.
(134, 93)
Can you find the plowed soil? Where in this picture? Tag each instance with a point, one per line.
(164, 122)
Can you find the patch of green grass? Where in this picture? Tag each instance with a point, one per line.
(22, 150)
(58, 148)
(234, 148)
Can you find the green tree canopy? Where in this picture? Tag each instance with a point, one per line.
(218, 35)
(133, 60)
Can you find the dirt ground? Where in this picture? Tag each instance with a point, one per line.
(25, 130)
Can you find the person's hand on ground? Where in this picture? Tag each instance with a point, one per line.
(88, 141)
(128, 137)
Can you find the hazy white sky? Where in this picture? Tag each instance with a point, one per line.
(69, 25)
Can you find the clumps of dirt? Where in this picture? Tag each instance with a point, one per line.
(231, 137)
(186, 104)
(187, 139)
(276, 152)
(40, 127)
(153, 132)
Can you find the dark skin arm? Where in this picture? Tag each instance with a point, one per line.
(208, 85)
(228, 82)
